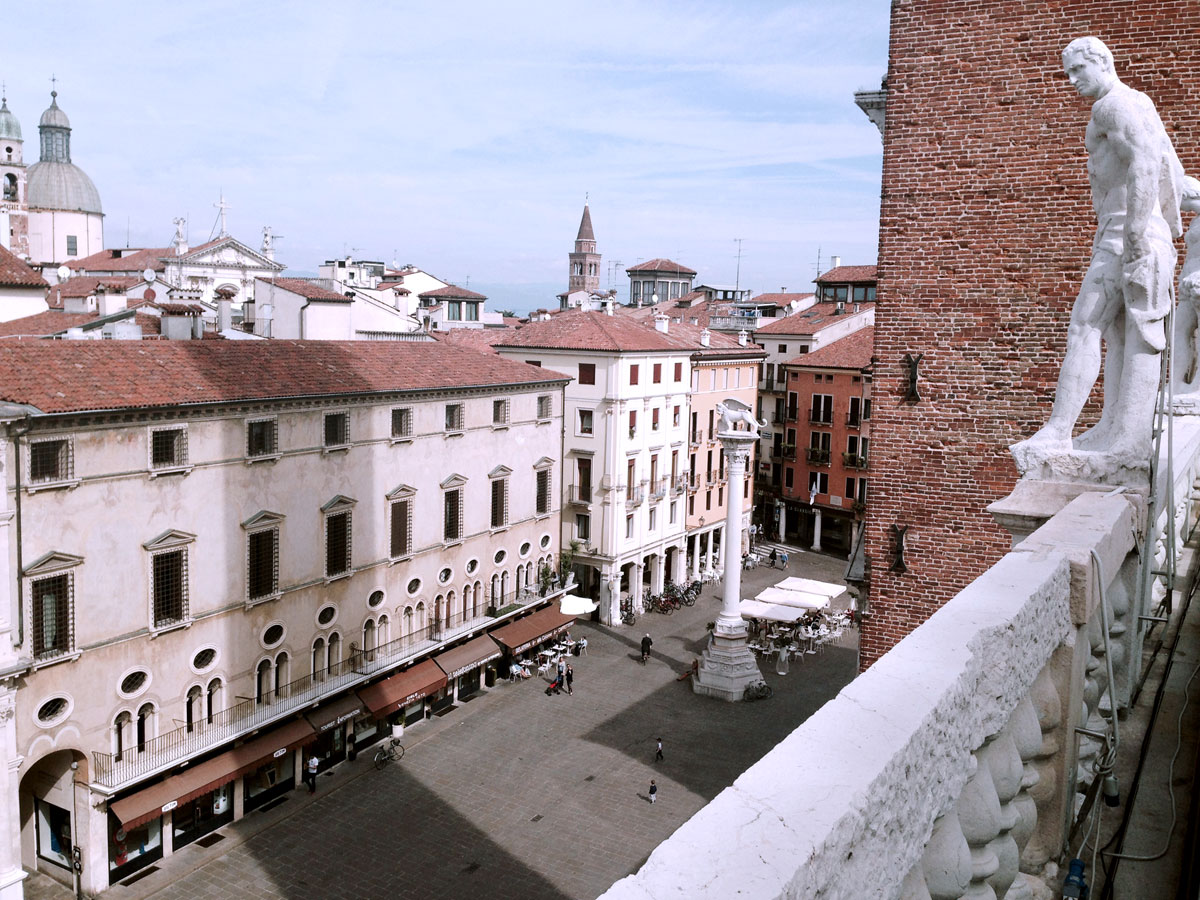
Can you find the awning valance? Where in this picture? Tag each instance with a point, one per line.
(471, 655)
(403, 688)
(333, 714)
(158, 798)
(525, 633)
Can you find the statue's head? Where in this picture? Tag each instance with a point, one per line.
(1190, 198)
(1089, 66)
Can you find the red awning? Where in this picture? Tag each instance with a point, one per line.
(153, 801)
(331, 714)
(471, 655)
(531, 630)
(403, 688)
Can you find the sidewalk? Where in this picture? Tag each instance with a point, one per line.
(517, 794)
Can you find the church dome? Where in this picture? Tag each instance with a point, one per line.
(53, 116)
(9, 126)
(61, 185)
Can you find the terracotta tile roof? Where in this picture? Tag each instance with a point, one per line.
(56, 321)
(309, 289)
(396, 286)
(135, 261)
(452, 292)
(813, 319)
(15, 273)
(85, 285)
(848, 275)
(854, 351)
(661, 265)
(479, 338)
(75, 376)
(181, 309)
(784, 299)
(579, 330)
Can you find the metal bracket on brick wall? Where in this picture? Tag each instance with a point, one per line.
(912, 395)
(898, 564)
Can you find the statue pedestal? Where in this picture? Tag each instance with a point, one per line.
(727, 664)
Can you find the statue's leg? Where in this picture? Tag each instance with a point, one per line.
(1093, 311)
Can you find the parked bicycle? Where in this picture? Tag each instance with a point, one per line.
(628, 617)
(757, 690)
(392, 750)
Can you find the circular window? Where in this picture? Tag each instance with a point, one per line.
(326, 615)
(204, 659)
(375, 600)
(472, 565)
(273, 635)
(134, 682)
(500, 556)
(53, 711)
(444, 575)
(414, 586)
(545, 541)
(525, 548)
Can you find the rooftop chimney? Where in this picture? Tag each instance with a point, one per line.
(783, 290)
(742, 337)
(608, 307)
(660, 323)
(109, 301)
(836, 260)
(705, 338)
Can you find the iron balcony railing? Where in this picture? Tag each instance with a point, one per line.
(635, 494)
(819, 418)
(696, 438)
(579, 493)
(658, 488)
(789, 451)
(114, 771)
(817, 456)
(793, 415)
(854, 461)
(853, 420)
(679, 484)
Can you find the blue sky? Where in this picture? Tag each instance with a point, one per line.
(462, 137)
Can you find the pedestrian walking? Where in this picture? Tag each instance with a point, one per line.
(562, 671)
(658, 754)
(774, 556)
(310, 773)
(646, 645)
(570, 679)
(653, 791)
(783, 557)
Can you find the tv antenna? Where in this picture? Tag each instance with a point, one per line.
(737, 279)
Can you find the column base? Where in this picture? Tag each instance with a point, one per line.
(10, 884)
(727, 665)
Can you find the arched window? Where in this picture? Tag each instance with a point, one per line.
(121, 727)
(262, 682)
(496, 591)
(282, 674)
(10, 187)
(408, 621)
(145, 725)
(318, 659)
(421, 616)
(213, 699)
(383, 631)
(504, 584)
(335, 652)
(439, 610)
(369, 638)
(194, 707)
(478, 595)
(451, 612)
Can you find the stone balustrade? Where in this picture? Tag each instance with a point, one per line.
(950, 768)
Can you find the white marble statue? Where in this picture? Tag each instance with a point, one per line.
(1137, 183)
(1186, 350)
(733, 411)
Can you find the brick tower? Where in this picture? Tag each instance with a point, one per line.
(585, 261)
(985, 232)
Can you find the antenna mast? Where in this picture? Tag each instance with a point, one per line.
(737, 281)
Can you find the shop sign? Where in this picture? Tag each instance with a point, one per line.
(170, 806)
(278, 753)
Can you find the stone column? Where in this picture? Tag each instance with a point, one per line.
(816, 545)
(727, 665)
(11, 873)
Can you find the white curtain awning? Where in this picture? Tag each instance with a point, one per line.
(756, 609)
(572, 605)
(809, 586)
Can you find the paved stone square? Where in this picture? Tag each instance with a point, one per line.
(517, 794)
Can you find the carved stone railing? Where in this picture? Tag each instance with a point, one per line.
(950, 767)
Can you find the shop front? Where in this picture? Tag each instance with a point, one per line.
(400, 698)
(464, 664)
(532, 631)
(329, 723)
(195, 802)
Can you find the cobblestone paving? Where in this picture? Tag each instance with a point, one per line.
(520, 795)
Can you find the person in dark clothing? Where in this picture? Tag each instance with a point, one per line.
(658, 754)
(570, 679)
(646, 645)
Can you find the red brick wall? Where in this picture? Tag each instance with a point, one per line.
(985, 231)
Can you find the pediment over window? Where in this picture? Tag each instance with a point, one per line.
(544, 463)
(168, 539)
(54, 561)
(339, 503)
(401, 492)
(500, 472)
(454, 481)
(264, 518)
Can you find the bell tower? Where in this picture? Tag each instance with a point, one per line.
(584, 261)
(14, 206)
